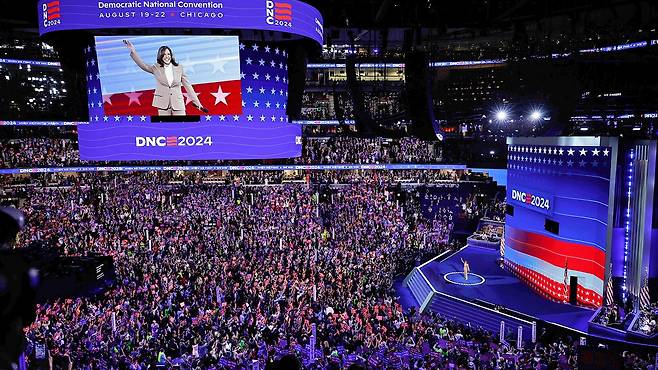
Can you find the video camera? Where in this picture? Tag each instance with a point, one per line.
(37, 274)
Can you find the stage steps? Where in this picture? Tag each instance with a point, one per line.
(420, 288)
(475, 315)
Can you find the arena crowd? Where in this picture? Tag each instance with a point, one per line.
(222, 275)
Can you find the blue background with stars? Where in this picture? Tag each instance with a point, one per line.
(577, 178)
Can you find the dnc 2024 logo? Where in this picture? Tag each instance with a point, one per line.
(278, 13)
(172, 141)
(531, 199)
(50, 13)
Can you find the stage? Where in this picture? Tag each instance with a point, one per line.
(499, 287)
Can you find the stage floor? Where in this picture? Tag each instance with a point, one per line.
(502, 288)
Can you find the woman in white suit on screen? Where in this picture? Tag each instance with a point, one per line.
(169, 77)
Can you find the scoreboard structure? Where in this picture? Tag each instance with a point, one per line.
(558, 229)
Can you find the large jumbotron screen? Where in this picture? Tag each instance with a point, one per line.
(557, 215)
(216, 98)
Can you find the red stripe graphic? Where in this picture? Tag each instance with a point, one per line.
(283, 17)
(581, 257)
(552, 289)
(283, 11)
(172, 141)
(53, 3)
(283, 5)
(54, 9)
(119, 104)
(53, 16)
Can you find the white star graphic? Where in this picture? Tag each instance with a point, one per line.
(105, 118)
(248, 60)
(277, 78)
(249, 89)
(273, 91)
(188, 99)
(241, 46)
(208, 118)
(142, 118)
(267, 48)
(262, 90)
(606, 152)
(255, 47)
(250, 118)
(273, 118)
(222, 118)
(220, 96)
(96, 118)
(595, 152)
(583, 152)
(267, 104)
(281, 65)
(261, 62)
(117, 118)
(272, 64)
(242, 75)
(130, 118)
(276, 51)
(262, 118)
(561, 151)
(256, 104)
(255, 76)
(134, 97)
(218, 64)
(189, 66)
(244, 104)
(236, 117)
(570, 151)
(267, 76)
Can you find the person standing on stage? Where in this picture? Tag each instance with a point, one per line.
(467, 269)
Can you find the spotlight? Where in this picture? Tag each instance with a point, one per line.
(535, 115)
(501, 115)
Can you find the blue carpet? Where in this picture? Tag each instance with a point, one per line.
(502, 288)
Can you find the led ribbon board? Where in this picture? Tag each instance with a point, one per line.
(289, 16)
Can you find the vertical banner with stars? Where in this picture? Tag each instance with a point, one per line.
(559, 226)
(246, 119)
